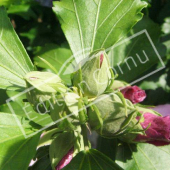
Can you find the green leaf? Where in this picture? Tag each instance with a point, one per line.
(14, 61)
(143, 156)
(91, 159)
(16, 150)
(94, 24)
(55, 56)
(8, 2)
(131, 52)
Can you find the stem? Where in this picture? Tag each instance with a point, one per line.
(85, 138)
(83, 119)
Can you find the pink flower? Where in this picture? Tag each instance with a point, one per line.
(159, 131)
(65, 160)
(134, 94)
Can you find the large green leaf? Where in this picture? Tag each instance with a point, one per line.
(54, 59)
(143, 157)
(14, 61)
(92, 159)
(94, 24)
(16, 150)
(124, 56)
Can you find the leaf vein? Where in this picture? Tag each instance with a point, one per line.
(13, 57)
(146, 157)
(79, 25)
(116, 24)
(96, 23)
(110, 13)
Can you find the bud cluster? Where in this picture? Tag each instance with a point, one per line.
(97, 100)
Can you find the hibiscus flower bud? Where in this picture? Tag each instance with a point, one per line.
(111, 115)
(158, 132)
(134, 94)
(93, 75)
(42, 86)
(65, 160)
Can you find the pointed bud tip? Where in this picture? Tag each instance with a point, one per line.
(101, 59)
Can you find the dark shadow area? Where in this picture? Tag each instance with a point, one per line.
(116, 149)
(42, 159)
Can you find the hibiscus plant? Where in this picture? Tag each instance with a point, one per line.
(78, 105)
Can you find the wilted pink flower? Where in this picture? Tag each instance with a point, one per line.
(159, 131)
(65, 160)
(134, 94)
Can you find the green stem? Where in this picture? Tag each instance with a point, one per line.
(85, 138)
(83, 119)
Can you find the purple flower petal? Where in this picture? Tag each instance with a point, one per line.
(65, 160)
(164, 110)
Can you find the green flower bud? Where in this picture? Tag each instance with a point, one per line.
(45, 82)
(93, 76)
(111, 115)
(42, 87)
